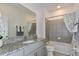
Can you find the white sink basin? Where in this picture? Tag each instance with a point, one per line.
(28, 42)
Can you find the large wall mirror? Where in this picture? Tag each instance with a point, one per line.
(16, 21)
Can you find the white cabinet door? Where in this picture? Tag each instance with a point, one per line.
(18, 52)
(39, 52)
(42, 51)
(26, 50)
(14, 53)
(32, 54)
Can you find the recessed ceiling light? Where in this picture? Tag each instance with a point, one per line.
(58, 6)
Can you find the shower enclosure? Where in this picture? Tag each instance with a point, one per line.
(64, 29)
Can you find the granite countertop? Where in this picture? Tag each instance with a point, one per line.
(7, 48)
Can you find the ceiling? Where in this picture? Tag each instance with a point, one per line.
(49, 7)
(46, 7)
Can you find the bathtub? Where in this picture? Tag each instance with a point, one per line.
(60, 47)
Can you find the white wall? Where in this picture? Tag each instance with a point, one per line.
(40, 20)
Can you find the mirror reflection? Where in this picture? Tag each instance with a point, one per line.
(16, 22)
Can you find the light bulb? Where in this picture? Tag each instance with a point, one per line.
(58, 6)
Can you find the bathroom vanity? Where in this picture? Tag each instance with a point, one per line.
(36, 48)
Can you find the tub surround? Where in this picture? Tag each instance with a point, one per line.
(57, 31)
(60, 47)
(58, 54)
